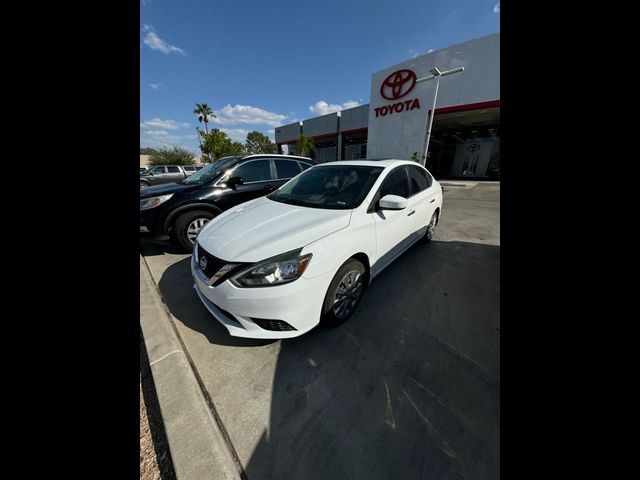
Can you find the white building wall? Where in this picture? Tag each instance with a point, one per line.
(399, 135)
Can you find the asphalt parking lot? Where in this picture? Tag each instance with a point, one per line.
(408, 388)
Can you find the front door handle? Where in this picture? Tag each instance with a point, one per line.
(432, 200)
(411, 213)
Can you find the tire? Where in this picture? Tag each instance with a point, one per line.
(351, 270)
(431, 228)
(186, 225)
(144, 184)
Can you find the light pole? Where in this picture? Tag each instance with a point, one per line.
(435, 73)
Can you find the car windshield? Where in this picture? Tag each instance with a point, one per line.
(340, 187)
(211, 171)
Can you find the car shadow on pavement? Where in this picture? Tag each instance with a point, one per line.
(176, 287)
(409, 387)
(158, 245)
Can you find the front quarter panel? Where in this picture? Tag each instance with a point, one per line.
(330, 252)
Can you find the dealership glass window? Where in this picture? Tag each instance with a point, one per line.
(444, 145)
(354, 146)
(255, 171)
(325, 150)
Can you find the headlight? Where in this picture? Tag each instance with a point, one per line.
(153, 202)
(278, 270)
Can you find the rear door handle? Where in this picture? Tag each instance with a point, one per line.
(411, 213)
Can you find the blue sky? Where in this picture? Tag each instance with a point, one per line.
(264, 64)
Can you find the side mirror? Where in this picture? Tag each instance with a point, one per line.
(393, 202)
(233, 182)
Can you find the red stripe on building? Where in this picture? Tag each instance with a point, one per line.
(467, 107)
(354, 130)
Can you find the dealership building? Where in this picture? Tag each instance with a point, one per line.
(465, 137)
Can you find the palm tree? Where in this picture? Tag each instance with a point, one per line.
(304, 146)
(204, 112)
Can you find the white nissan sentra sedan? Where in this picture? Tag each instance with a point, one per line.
(276, 266)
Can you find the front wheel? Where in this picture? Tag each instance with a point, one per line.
(144, 184)
(187, 226)
(345, 292)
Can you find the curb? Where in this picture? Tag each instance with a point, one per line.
(197, 445)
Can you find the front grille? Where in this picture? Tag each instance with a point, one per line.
(213, 265)
(273, 325)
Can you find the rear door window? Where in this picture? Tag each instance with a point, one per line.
(287, 169)
(304, 165)
(253, 171)
(419, 179)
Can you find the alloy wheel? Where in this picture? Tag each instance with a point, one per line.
(347, 294)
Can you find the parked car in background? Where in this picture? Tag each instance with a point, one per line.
(190, 169)
(274, 267)
(182, 209)
(142, 169)
(161, 174)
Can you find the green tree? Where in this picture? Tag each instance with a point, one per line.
(216, 144)
(259, 143)
(417, 157)
(204, 113)
(305, 146)
(171, 156)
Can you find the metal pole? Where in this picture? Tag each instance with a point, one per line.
(423, 162)
(435, 73)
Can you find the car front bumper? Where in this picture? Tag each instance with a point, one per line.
(150, 222)
(298, 303)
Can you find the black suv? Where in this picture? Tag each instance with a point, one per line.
(181, 209)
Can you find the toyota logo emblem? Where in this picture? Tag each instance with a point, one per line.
(398, 84)
(203, 262)
(473, 148)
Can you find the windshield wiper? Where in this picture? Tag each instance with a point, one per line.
(300, 203)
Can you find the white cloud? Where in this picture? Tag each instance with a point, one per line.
(154, 42)
(161, 138)
(157, 133)
(155, 86)
(322, 108)
(236, 134)
(496, 9)
(164, 124)
(237, 114)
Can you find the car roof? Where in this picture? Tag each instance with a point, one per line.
(372, 163)
(279, 155)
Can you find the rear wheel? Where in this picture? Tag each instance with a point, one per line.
(345, 292)
(187, 226)
(144, 184)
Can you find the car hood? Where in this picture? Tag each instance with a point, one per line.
(165, 189)
(263, 228)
